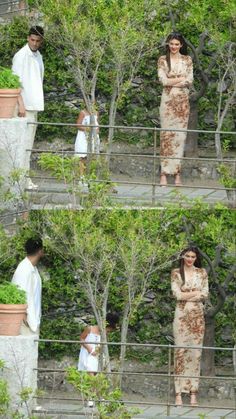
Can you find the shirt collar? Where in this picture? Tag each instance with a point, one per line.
(32, 267)
(30, 52)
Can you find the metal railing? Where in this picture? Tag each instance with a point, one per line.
(154, 157)
(13, 9)
(169, 375)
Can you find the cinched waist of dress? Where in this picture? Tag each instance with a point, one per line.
(182, 303)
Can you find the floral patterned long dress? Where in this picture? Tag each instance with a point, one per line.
(174, 112)
(189, 328)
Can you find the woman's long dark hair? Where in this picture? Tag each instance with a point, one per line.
(197, 263)
(183, 50)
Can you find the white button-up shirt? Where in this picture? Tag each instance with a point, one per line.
(27, 278)
(28, 65)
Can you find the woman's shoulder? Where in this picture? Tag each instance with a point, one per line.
(187, 59)
(175, 271)
(201, 271)
(162, 58)
(94, 329)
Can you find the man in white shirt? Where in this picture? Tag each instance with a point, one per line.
(28, 65)
(27, 278)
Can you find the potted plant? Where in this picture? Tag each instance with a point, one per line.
(9, 91)
(12, 309)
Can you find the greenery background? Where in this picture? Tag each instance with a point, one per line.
(64, 304)
(139, 106)
(65, 307)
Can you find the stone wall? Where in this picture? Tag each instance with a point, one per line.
(20, 356)
(145, 385)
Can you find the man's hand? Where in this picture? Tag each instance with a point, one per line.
(21, 112)
(21, 107)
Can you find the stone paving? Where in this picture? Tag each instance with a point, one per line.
(59, 410)
(52, 192)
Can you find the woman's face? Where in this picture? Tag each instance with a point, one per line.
(174, 46)
(189, 258)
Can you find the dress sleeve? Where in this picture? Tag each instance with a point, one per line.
(161, 68)
(205, 287)
(176, 285)
(189, 75)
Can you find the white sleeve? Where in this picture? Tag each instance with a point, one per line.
(18, 65)
(26, 282)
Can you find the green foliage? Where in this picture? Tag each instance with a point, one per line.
(11, 294)
(97, 388)
(25, 394)
(130, 20)
(8, 80)
(68, 169)
(78, 242)
(4, 397)
(227, 175)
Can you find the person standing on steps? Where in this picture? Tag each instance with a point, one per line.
(28, 65)
(175, 72)
(189, 285)
(27, 278)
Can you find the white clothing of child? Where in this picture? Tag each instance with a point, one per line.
(81, 142)
(89, 361)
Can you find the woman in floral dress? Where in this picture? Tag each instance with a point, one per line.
(189, 285)
(175, 72)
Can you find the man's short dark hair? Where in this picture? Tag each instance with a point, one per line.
(32, 246)
(36, 30)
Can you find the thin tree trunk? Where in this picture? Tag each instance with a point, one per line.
(228, 103)
(124, 332)
(208, 355)
(112, 118)
(191, 146)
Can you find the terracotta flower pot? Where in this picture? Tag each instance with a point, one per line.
(8, 101)
(11, 316)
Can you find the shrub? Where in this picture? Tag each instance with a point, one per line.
(9, 80)
(11, 294)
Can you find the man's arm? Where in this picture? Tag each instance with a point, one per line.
(17, 68)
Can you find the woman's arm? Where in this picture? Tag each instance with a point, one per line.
(205, 287)
(80, 120)
(162, 75)
(83, 337)
(188, 80)
(203, 293)
(176, 288)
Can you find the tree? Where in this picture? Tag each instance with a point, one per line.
(208, 28)
(108, 41)
(226, 90)
(96, 258)
(111, 259)
(130, 41)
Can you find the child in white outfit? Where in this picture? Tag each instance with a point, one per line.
(89, 353)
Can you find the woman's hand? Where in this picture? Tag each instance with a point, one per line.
(196, 297)
(188, 295)
(93, 352)
(182, 82)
